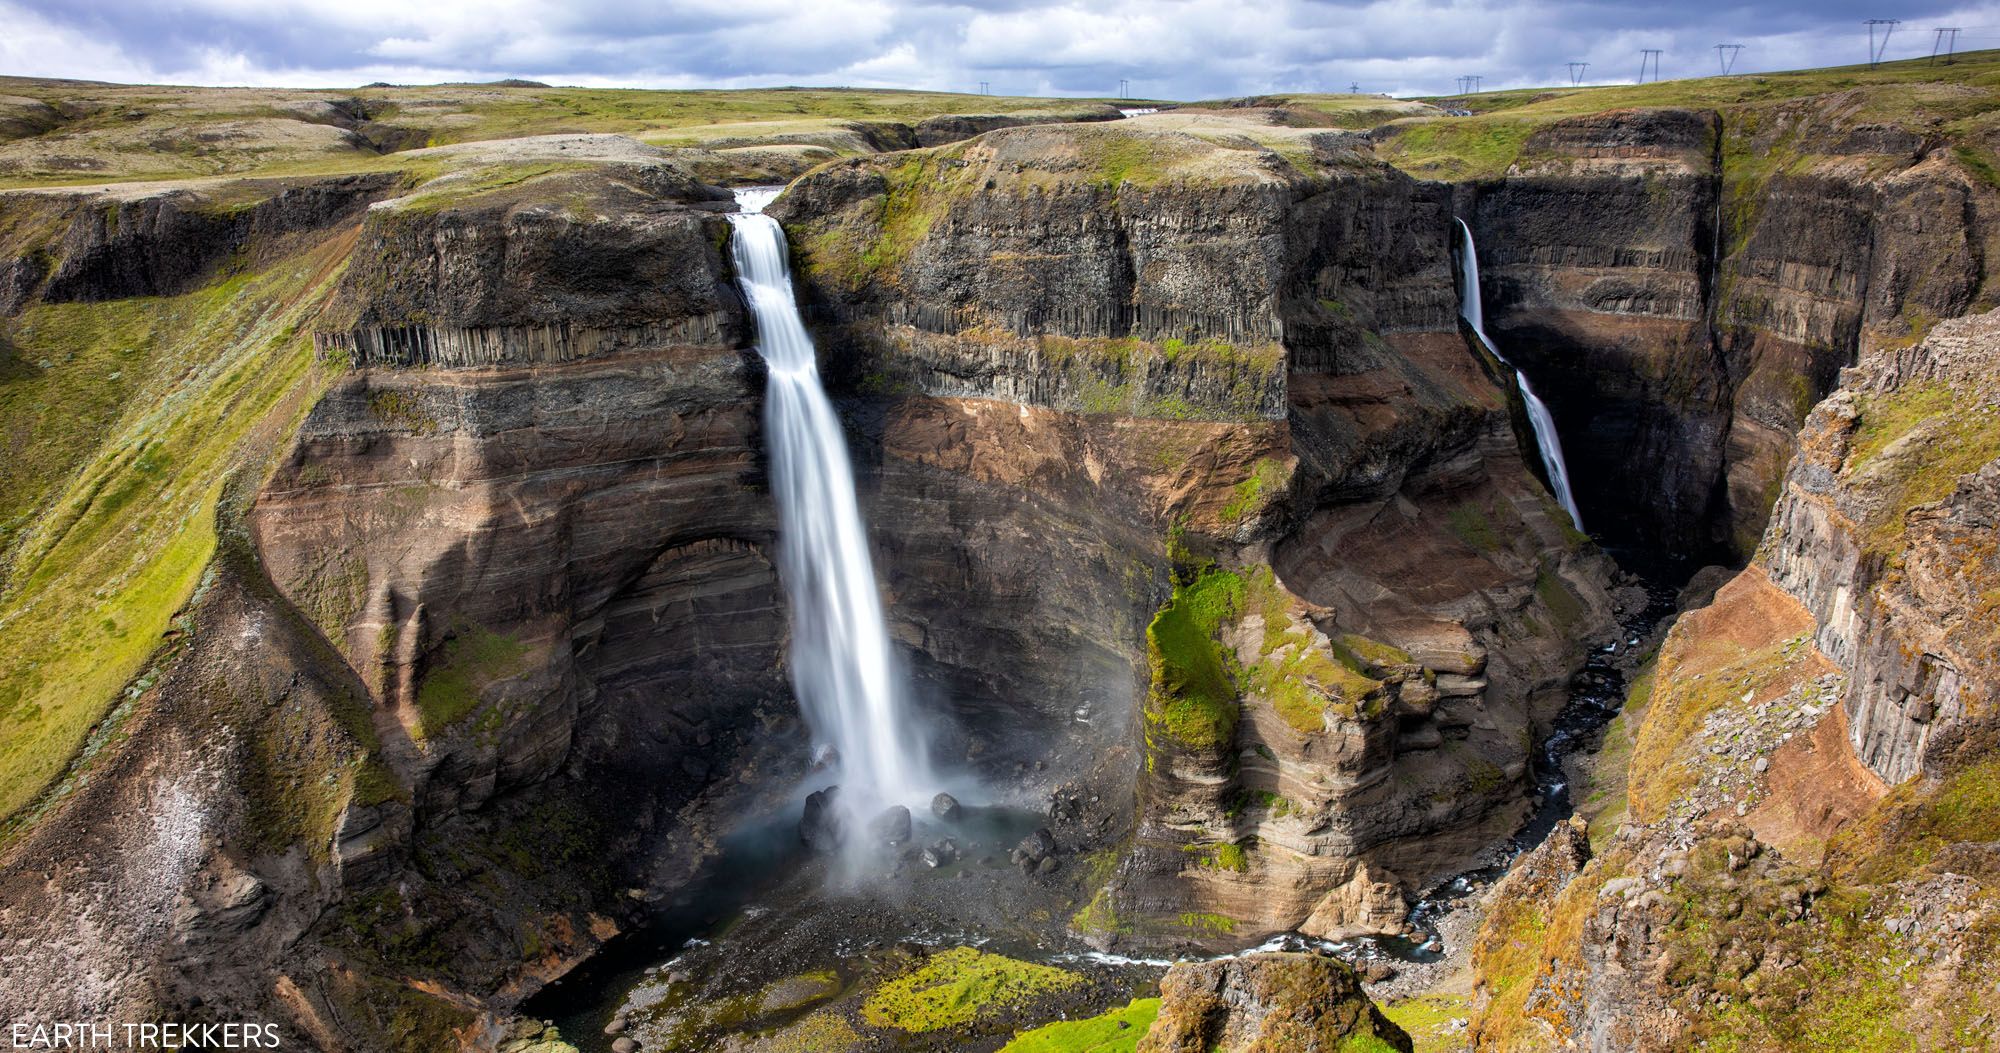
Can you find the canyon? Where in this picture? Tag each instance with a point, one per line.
(400, 643)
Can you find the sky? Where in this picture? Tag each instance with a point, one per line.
(1166, 49)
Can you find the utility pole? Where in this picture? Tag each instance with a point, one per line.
(1124, 88)
(1874, 50)
(1576, 72)
(1475, 79)
(985, 88)
(1725, 56)
(1462, 82)
(1354, 88)
(1646, 55)
(1947, 41)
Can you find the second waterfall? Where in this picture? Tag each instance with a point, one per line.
(841, 665)
(1539, 418)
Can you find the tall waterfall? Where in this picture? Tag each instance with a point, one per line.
(842, 669)
(1470, 308)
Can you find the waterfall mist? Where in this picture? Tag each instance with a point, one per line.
(1546, 441)
(842, 667)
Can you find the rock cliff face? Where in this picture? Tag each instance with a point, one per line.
(1265, 354)
(1801, 855)
(1684, 286)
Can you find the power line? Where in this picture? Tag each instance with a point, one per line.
(1725, 56)
(1947, 39)
(1874, 50)
(1576, 72)
(1652, 54)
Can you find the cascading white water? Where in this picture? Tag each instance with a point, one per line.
(842, 668)
(1546, 440)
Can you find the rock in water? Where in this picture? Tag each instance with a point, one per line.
(946, 807)
(819, 827)
(941, 852)
(892, 827)
(1033, 849)
(1264, 1003)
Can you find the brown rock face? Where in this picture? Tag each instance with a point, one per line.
(1048, 334)
(1682, 300)
(1267, 1003)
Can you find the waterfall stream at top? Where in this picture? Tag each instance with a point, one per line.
(1546, 440)
(842, 668)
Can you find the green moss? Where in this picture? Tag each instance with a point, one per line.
(469, 661)
(1470, 524)
(1100, 917)
(1365, 1044)
(954, 988)
(1265, 476)
(1116, 1031)
(1371, 656)
(1207, 924)
(1193, 697)
(1564, 608)
(1230, 857)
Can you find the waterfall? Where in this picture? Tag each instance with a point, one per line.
(842, 669)
(1546, 440)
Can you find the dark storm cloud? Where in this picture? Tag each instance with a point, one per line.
(1167, 48)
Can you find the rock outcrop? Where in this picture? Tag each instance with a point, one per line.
(1265, 1003)
(1800, 850)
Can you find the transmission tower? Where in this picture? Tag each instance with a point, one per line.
(1649, 55)
(1464, 85)
(1475, 79)
(1947, 42)
(1576, 72)
(1354, 88)
(1124, 88)
(985, 88)
(1725, 56)
(1875, 50)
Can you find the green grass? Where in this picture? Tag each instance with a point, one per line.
(1116, 1031)
(120, 132)
(1193, 697)
(1264, 478)
(954, 988)
(1470, 524)
(1429, 1018)
(124, 517)
(465, 665)
(1955, 441)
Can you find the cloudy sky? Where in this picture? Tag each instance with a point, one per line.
(1180, 49)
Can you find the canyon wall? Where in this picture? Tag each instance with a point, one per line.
(1802, 855)
(1267, 359)
(1685, 285)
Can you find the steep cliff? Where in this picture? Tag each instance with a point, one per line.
(1684, 284)
(1808, 854)
(1335, 525)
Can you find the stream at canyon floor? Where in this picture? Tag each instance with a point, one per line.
(775, 934)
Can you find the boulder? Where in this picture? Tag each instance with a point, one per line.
(819, 827)
(1267, 1003)
(946, 807)
(891, 827)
